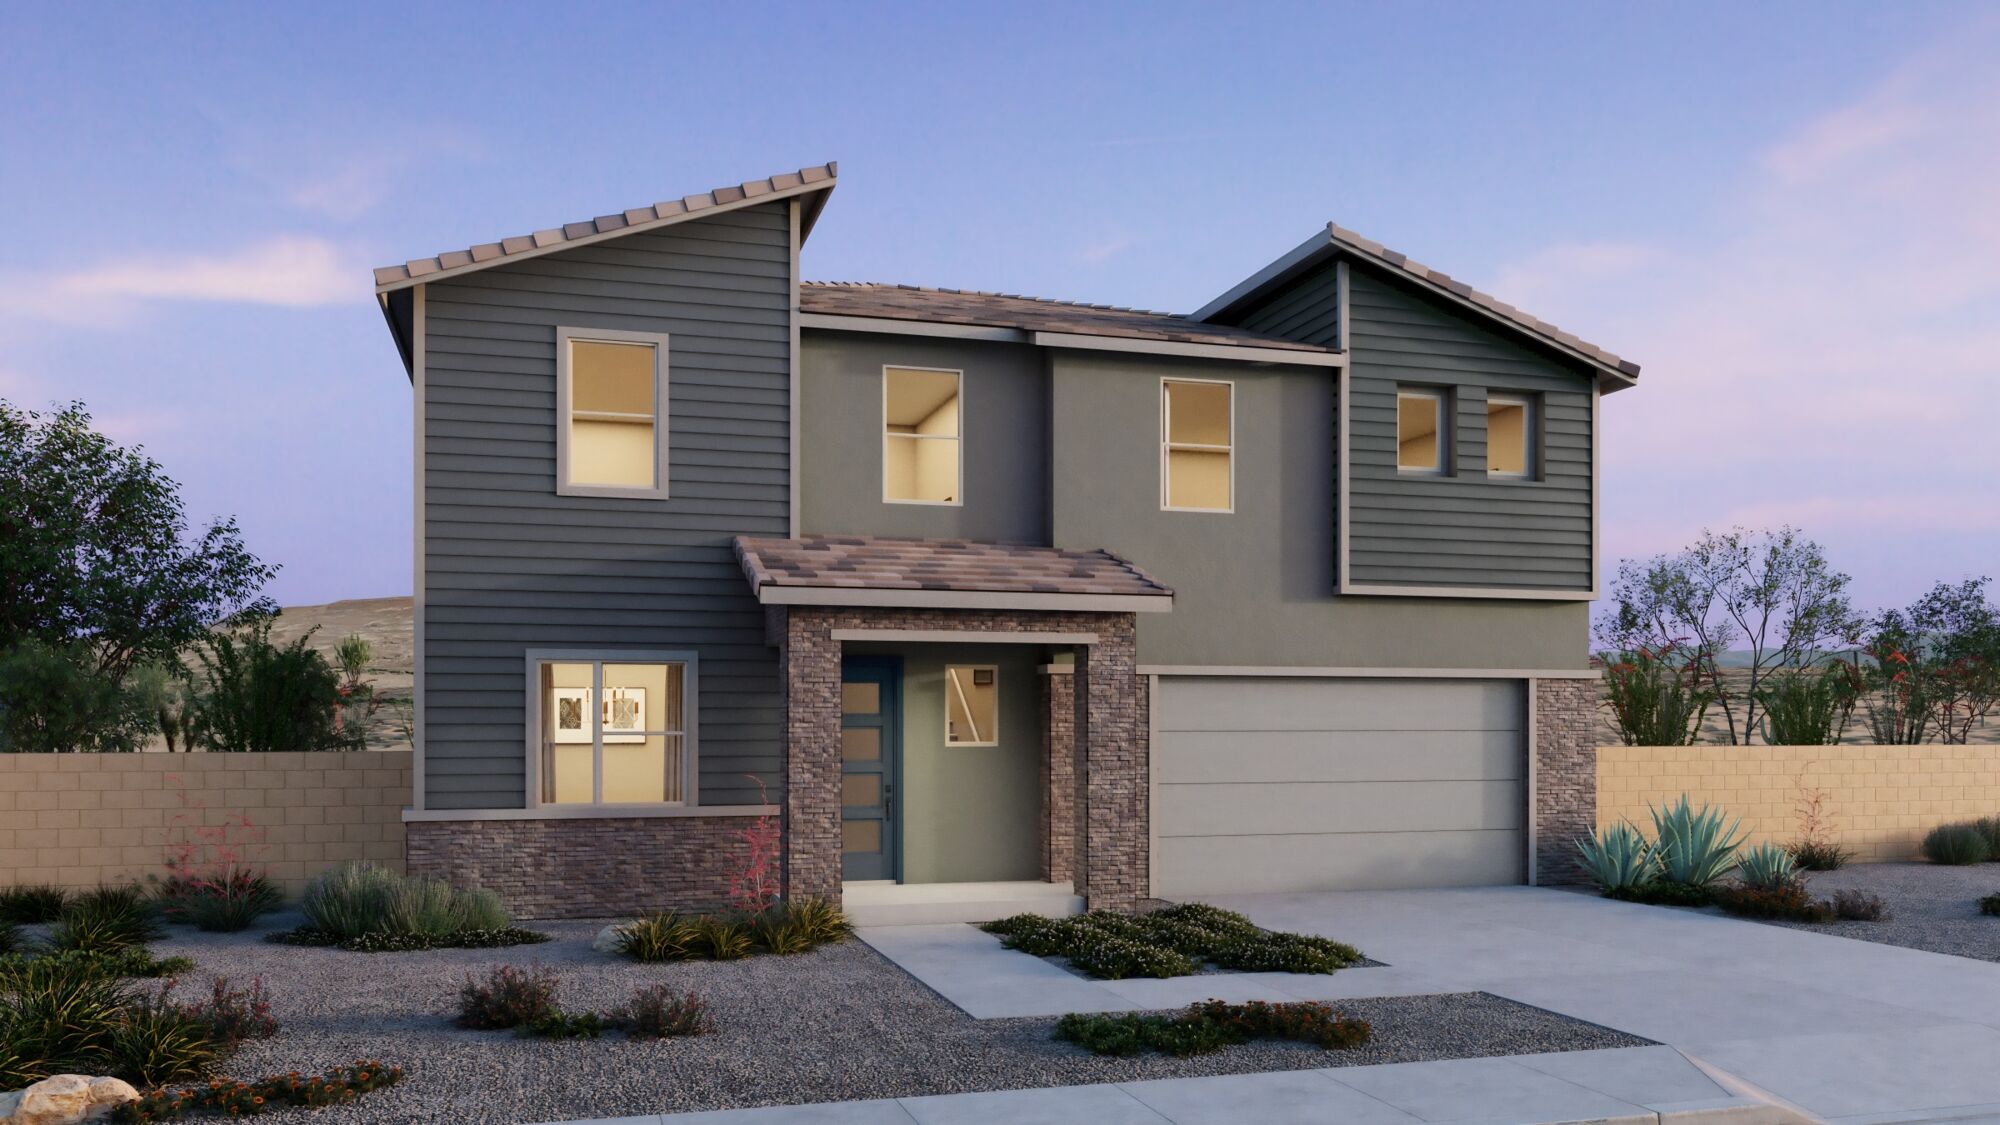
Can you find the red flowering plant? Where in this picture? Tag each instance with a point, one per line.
(211, 881)
(755, 886)
(1656, 696)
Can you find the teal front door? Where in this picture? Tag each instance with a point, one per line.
(871, 742)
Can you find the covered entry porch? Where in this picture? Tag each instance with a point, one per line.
(964, 726)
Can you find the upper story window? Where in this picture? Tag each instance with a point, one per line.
(1423, 439)
(1510, 436)
(921, 435)
(1197, 438)
(611, 392)
(612, 731)
(972, 705)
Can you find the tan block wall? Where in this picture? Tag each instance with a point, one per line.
(78, 820)
(1880, 799)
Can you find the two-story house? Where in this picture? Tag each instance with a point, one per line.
(986, 599)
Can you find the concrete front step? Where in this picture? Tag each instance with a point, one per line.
(925, 904)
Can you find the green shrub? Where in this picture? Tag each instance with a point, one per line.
(1213, 1025)
(1989, 827)
(131, 961)
(1286, 953)
(32, 905)
(657, 1011)
(720, 939)
(1173, 941)
(1695, 847)
(61, 1016)
(777, 932)
(361, 899)
(1804, 708)
(665, 936)
(1789, 902)
(1110, 957)
(821, 920)
(508, 997)
(256, 696)
(232, 901)
(564, 1025)
(157, 1042)
(53, 701)
(1618, 858)
(1766, 867)
(1955, 844)
(1857, 906)
(106, 919)
(1990, 905)
(1819, 855)
(11, 939)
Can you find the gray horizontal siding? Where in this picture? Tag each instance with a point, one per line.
(1462, 529)
(1305, 309)
(511, 566)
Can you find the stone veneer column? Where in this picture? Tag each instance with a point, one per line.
(1058, 773)
(1111, 771)
(811, 660)
(1565, 752)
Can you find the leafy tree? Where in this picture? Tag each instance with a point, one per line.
(50, 700)
(96, 552)
(1936, 665)
(1773, 591)
(256, 696)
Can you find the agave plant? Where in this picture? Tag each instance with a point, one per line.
(1767, 867)
(1618, 858)
(1695, 847)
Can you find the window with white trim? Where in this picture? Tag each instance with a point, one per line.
(1510, 436)
(972, 705)
(1197, 439)
(612, 731)
(920, 435)
(612, 400)
(1423, 439)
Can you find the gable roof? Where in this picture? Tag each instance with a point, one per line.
(1336, 240)
(1028, 314)
(814, 183)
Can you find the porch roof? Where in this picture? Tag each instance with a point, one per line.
(866, 570)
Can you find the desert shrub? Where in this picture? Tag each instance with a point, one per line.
(32, 905)
(60, 1015)
(1790, 902)
(1695, 847)
(257, 696)
(665, 936)
(131, 961)
(1618, 858)
(1807, 708)
(1990, 905)
(1818, 855)
(106, 919)
(718, 938)
(1955, 844)
(1989, 827)
(234, 1016)
(822, 921)
(1654, 697)
(1857, 906)
(1663, 893)
(157, 1041)
(777, 932)
(230, 900)
(11, 938)
(564, 1025)
(658, 1011)
(362, 899)
(242, 1099)
(508, 997)
(1213, 1025)
(1173, 941)
(1766, 867)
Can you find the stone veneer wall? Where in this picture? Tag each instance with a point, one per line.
(1110, 755)
(82, 820)
(1057, 775)
(587, 867)
(1565, 724)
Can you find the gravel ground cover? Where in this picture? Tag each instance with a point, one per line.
(839, 1023)
(1930, 906)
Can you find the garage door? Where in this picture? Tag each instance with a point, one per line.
(1301, 783)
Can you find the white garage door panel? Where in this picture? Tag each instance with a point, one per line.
(1236, 703)
(1215, 865)
(1306, 783)
(1339, 807)
(1292, 756)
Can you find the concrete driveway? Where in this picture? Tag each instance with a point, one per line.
(1845, 1030)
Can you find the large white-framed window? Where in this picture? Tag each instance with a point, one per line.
(923, 435)
(1197, 445)
(1512, 437)
(611, 413)
(1423, 432)
(612, 727)
(972, 705)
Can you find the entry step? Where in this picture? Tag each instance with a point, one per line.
(924, 904)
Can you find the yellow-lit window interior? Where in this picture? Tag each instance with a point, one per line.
(1510, 435)
(920, 463)
(613, 416)
(1420, 435)
(1195, 433)
(613, 733)
(971, 705)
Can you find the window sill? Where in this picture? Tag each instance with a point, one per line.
(589, 812)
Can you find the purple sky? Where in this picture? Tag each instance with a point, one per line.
(1787, 212)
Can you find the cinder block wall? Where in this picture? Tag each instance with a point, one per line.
(1880, 800)
(78, 820)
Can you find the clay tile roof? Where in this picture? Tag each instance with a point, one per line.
(866, 562)
(1032, 314)
(805, 181)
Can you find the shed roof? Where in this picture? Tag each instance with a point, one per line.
(873, 570)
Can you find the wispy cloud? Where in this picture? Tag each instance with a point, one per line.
(297, 271)
(1819, 356)
(1098, 253)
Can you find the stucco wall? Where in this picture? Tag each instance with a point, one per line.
(1880, 799)
(78, 820)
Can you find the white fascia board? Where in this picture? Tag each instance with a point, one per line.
(1245, 353)
(964, 599)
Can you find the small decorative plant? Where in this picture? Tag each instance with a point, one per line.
(1990, 906)
(1955, 845)
(245, 1099)
(658, 1011)
(508, 997)
(32, 905)
(1696, 847)
(365, 908)
(1213, 1025)
(1766, 867)
(1857, 906)
(1619, 860)
(1816, 848)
